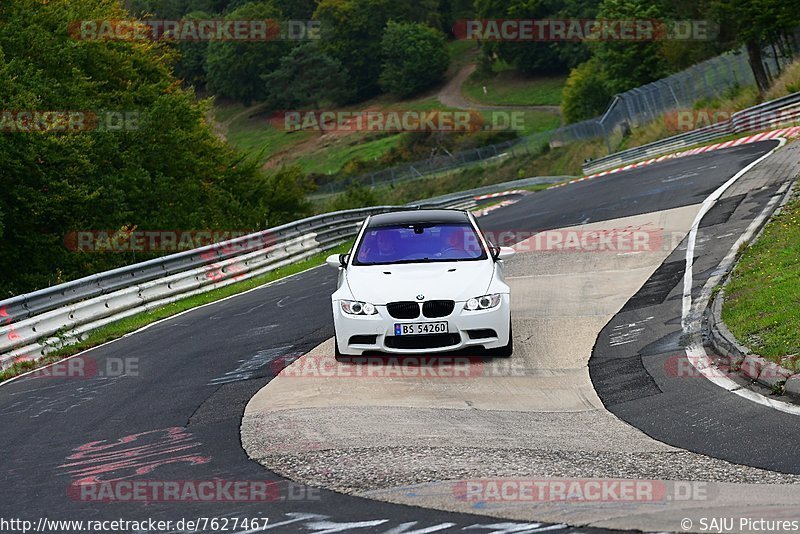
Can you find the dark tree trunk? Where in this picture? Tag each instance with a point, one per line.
(778, 58)
(757, 64)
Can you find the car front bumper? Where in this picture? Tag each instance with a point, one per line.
(357, 334)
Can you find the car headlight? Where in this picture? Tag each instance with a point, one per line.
(352, 307)
(485, 302)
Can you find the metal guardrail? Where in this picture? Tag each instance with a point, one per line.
(38, 322)
(772, 114)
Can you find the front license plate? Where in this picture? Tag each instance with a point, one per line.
(415, 329)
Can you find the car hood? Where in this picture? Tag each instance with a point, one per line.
(458, 281)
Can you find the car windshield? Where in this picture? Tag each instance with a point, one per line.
(419, 243)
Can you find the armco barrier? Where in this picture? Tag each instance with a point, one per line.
(54, 297)
(37, 322)
(764, 116)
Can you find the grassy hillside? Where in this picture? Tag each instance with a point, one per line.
(506, 87)
(328, 153)
(250, 131)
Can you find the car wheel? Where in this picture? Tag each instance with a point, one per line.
(508, 350)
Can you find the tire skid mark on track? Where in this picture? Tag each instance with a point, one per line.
(132, 456)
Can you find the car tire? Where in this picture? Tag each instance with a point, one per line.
(508, 350)
(338, 355)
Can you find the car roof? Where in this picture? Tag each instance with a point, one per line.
(418, 216)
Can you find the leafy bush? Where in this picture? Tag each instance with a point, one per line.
(586, 93)
(355, 196)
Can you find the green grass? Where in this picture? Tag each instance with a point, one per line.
(257, 137)
(462, 53)
(538, 121)
(508, 88)
(130, 324)
(762, 302)
(539, 162)
(332, 160)
(224, 111)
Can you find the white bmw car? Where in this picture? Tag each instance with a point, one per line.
(421, 281)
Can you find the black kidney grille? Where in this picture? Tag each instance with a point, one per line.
(403, 310)
(438, 308)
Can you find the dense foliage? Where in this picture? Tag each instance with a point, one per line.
(355, 34)
(163, 171)
(414, 58)
(235, 68)
(292, 85)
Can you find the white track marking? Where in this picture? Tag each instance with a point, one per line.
(692, 315)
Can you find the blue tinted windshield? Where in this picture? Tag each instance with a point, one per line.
(419, 243)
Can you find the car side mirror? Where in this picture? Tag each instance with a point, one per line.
(503, 253)
(337, 260)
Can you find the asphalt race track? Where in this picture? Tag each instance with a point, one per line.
(638, 378)
(175, 414)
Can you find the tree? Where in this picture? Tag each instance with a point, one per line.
(307, 76)
(297, 9)
(755, 23)
(586, 93)
(162, 169)
(415, 58)
(628, 64)
(352, 31)
(191, 64)
(355, 196)
(534, 57)
(234, 68)
(453, 11)
(175, 9)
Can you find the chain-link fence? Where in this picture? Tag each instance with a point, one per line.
(709, 79)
